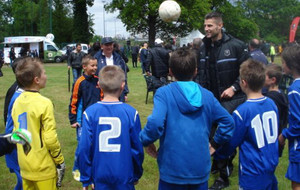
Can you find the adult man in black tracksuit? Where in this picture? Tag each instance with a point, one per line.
(158, 59)
(74, 61)
(220, 60)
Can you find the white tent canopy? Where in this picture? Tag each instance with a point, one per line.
(189, 38)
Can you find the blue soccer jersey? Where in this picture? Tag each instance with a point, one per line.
(109, 150)
(256, 134)
(292, 133)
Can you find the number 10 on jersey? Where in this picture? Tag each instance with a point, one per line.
(267, 125)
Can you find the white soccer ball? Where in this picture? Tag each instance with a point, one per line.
(169, 11)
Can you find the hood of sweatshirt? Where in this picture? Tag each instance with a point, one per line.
(188, 96)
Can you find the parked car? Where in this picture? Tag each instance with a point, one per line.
(71, 47)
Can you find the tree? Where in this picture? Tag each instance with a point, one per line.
(235, 21)
(272, 16)
(81, 31)
(141, 16)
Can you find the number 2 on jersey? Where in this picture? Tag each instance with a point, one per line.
(114, 132)
(268, 122)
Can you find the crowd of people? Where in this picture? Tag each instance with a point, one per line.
(223, 96)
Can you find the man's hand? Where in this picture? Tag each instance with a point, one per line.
(148, 74)
(151, 150)
(75, 125)
(69, 67)
(281, 140)
(228, 93)
(211, 150)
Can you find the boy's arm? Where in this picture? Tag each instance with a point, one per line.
(238, 136)
(85, 152)
(293, 131)
(137, 151)
(74, 101)
(5, 146)
(225, 125)
(50, 135)
(154, 128)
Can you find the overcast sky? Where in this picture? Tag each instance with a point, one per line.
(113, 25)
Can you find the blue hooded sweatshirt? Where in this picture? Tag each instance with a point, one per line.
(182, 117)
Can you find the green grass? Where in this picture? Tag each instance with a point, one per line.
(57, 90)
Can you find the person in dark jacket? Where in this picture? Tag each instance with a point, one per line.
(134, 54)
(107, 56)
(158, 59)
(256, 53)
(220, 60)
(12, 55)
(143, 56)
(96, 47)
(74, 61)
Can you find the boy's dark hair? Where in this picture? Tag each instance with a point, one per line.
(274, 70)
(111, 78)
(27, 69)
(86, 59)
(78, 44)
(214, 15)
(253, 72)
(254, 43)
(291, 57)
(183, 64)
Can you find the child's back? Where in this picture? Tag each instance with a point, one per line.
(110, 153)
(110, 135)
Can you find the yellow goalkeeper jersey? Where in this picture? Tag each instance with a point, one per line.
(35, 113)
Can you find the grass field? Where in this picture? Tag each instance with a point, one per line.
(57, 90)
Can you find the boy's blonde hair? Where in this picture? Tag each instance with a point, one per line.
(111, 78)
(253, 72)
(86, 60)
(27, 69)
(274, 70)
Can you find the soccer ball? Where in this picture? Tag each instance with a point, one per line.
(169, 11)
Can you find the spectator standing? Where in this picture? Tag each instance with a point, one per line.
(74, 62)
(12, 55)
(256, 53)
(143, 56)
(107, 56)
(220, 60)
(134, 54)
(197, 42)
(272, 53)
(158, 60)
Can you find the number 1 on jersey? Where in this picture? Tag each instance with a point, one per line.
(114, 132)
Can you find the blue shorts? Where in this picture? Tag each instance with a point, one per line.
(293, 172)
(260, 182)
(170, 186)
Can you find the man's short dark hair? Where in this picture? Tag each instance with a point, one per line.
(254, 43)
(78, 44)
(214, 15)
(183, 64)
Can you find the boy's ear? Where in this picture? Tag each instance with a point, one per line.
(273, 79)
(36, 80)
(244, 83)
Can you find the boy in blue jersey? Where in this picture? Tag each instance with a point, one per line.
(256, 132)
(291, 65)
(110, 153)
(12, 158)
(182, 117)
(85, 93)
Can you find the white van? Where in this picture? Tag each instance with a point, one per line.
(45, 47)
(84, 48)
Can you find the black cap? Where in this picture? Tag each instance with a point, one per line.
(107, 40)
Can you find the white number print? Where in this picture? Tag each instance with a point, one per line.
(114, 132)
(269, 121)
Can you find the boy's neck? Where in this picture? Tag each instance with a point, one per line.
(273, 88)
(110, 98)
(254, 95)
(32, 88)
(87, 74)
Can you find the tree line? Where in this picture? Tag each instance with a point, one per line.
(265, 19)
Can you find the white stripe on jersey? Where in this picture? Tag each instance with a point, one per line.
(86, 116)
(293, 92)
(136, 113)
(238, 114)
(110, 102)
(295, 144)
(257, 100)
